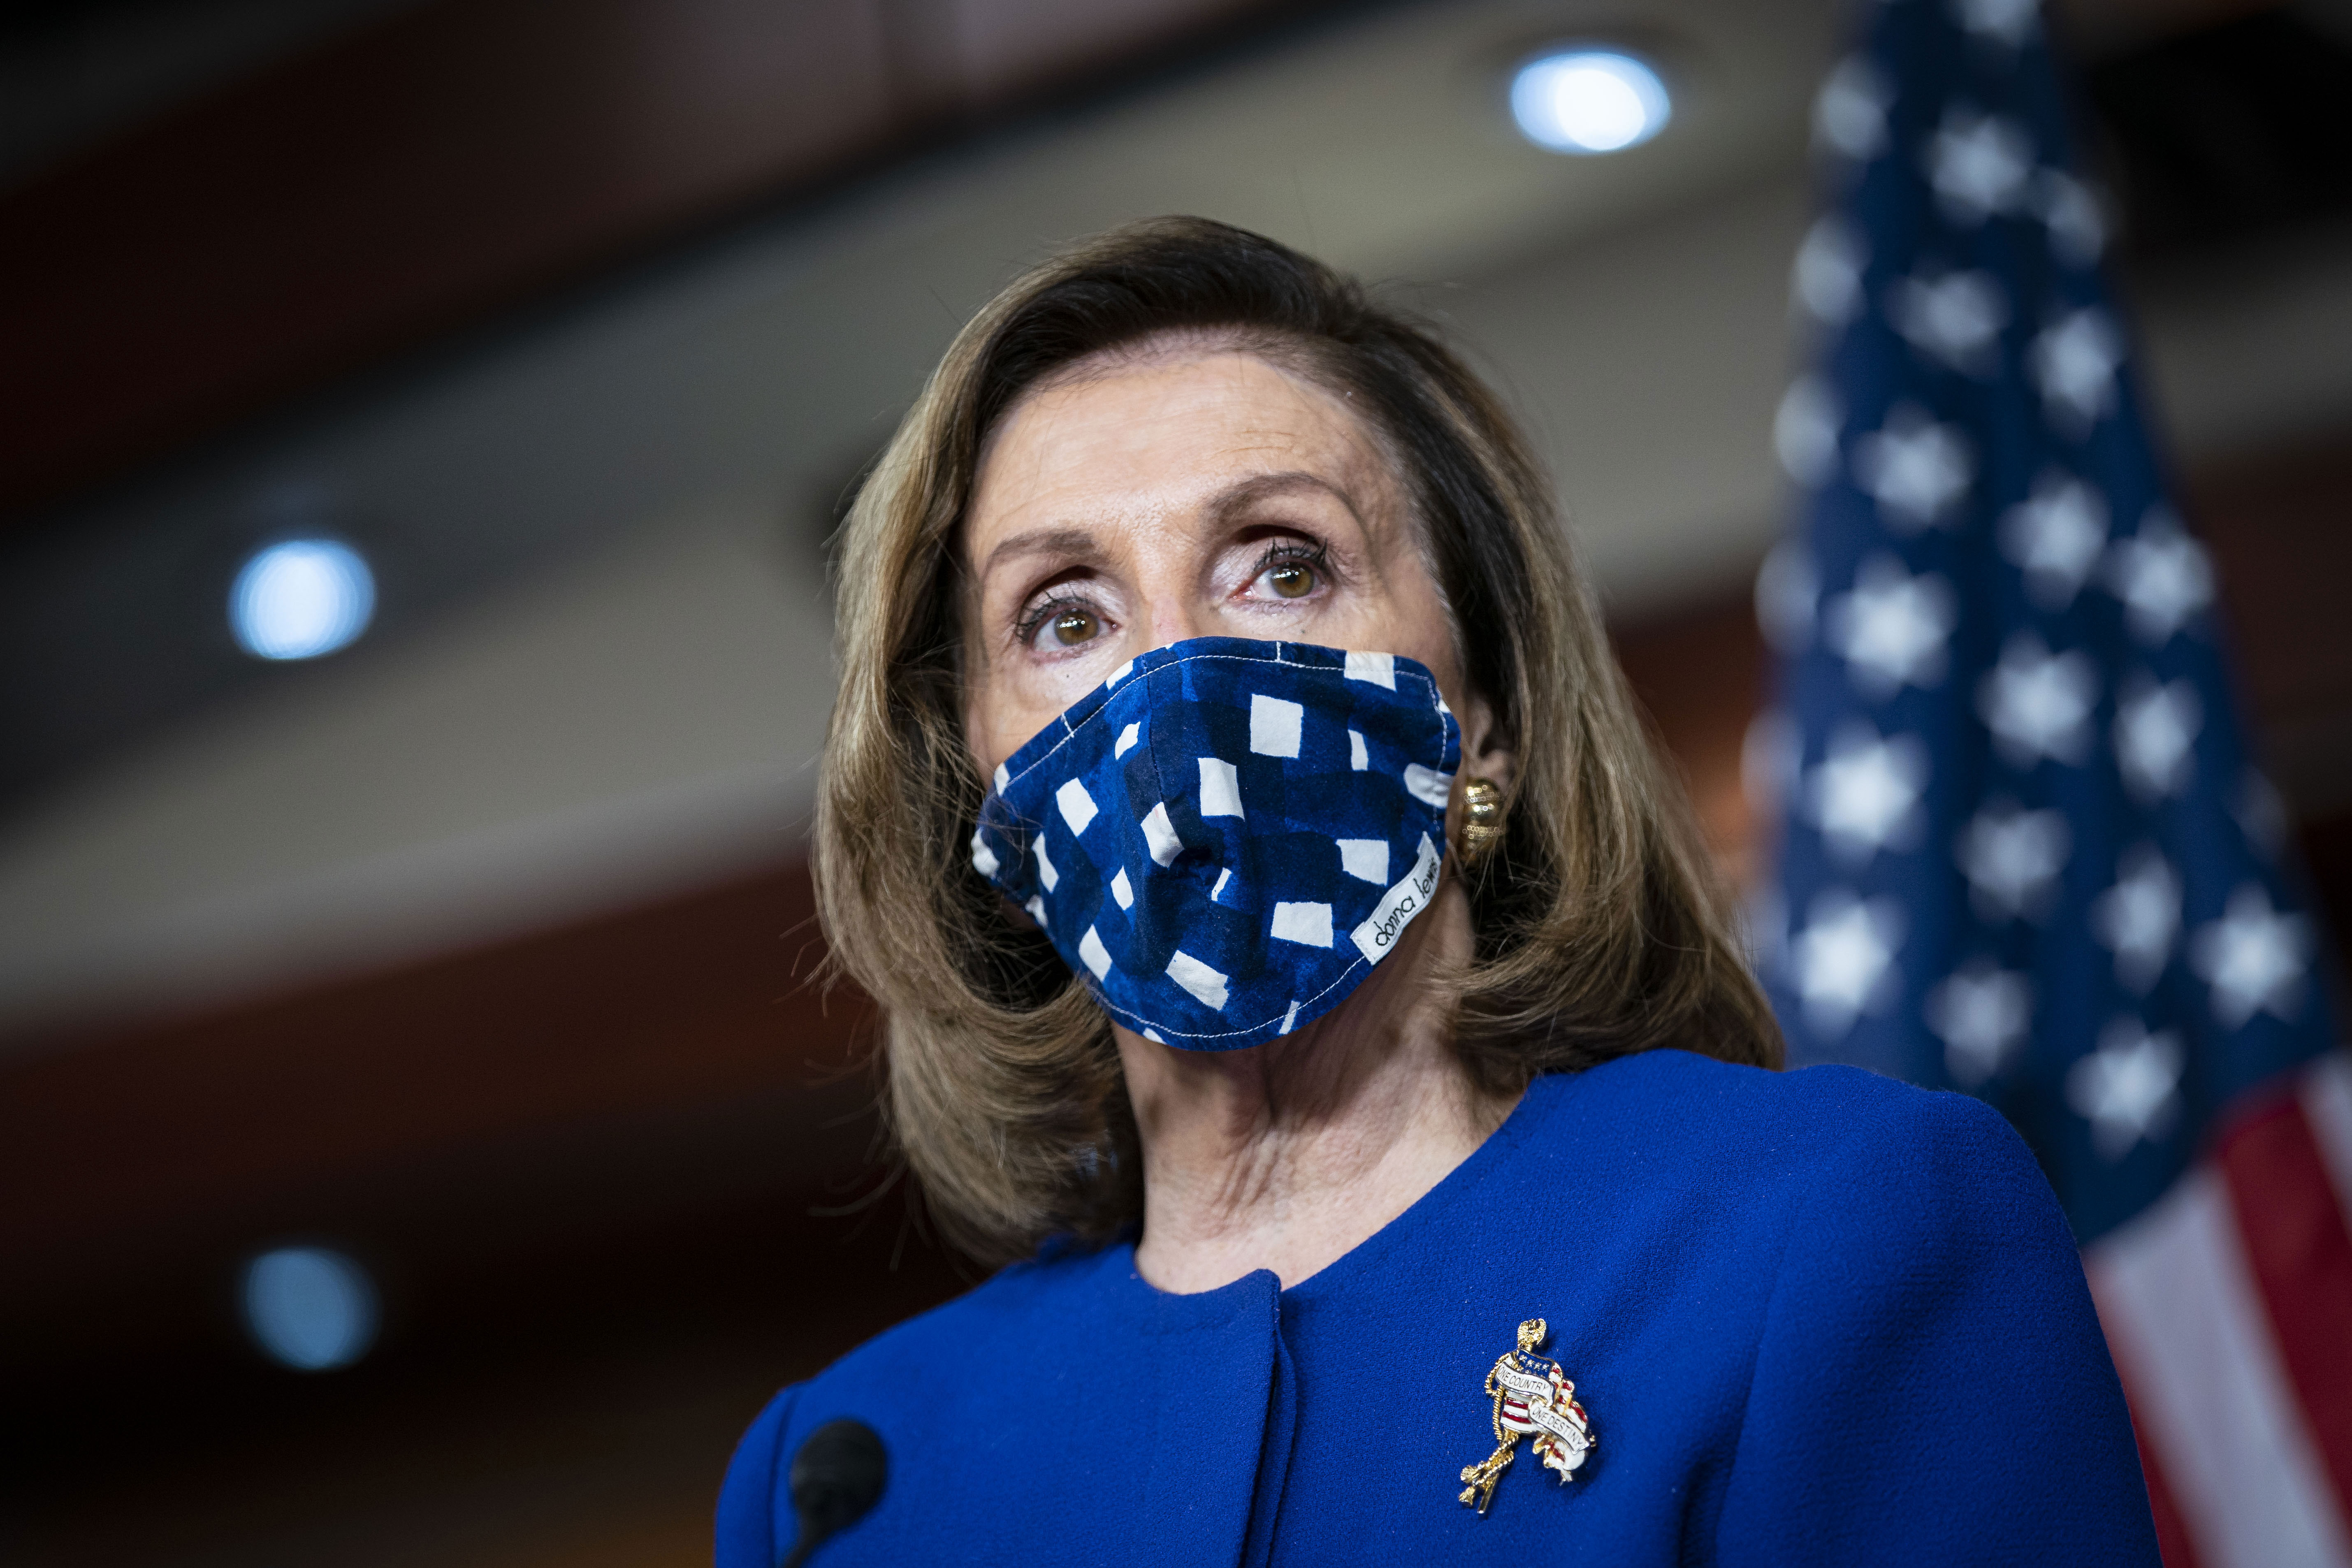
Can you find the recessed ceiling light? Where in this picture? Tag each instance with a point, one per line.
(301, 599)
(1588, 101)
(309, 1308)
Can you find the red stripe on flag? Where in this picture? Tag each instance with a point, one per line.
(2300, 1253)
(2171, 1534)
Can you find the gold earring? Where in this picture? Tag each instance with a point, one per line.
(1482, 820)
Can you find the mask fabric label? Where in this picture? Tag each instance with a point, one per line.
(1226, 836)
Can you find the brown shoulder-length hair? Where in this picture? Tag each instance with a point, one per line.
(1601, 929)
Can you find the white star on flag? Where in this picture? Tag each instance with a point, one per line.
(2054, 536)
(1787, 589)
(2078, 229)
(2012, 858)
(1865, 795)
(1978, 165)
(2139, 918)
(2254, 958)
(2126, 1089)
(2038, 703)
(2163, 576)
(2073, 362)
(1827, 277)
(1955, 316)
(1850, 110)
(1981, 1012)
(2156, 734)
(1916, 470)
(1842, 962)
(1892, 629)
(2007, 22)
(1805, 431)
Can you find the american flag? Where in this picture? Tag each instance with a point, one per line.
(2025, 854)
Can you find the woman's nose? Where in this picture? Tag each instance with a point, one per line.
(1172, 620)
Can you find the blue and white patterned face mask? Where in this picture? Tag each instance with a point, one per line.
(1227, 834)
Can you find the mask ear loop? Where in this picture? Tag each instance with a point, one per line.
(1482, 821)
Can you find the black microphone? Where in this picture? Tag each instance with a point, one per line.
(836, 1478)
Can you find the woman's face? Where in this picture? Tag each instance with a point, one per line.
(1185, 494)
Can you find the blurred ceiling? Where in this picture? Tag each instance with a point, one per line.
(600, 669)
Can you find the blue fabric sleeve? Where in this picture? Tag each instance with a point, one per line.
(1931, 1385)
(747, 1498)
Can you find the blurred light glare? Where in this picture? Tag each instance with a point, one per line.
(1588, 101)
(309, 1308)
(301, 598)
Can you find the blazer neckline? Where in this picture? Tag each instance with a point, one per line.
(1177, 1312)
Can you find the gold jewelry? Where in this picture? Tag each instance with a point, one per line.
(1482, 820)
(1532, 1398)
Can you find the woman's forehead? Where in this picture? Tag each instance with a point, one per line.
(1161, 427)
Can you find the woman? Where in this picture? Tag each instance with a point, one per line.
(1297, 961)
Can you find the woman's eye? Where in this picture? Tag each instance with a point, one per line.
(1073, 626)
(1290, 579)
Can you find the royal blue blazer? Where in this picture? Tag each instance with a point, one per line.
(1815, 1317)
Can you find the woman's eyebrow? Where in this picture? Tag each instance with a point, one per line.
(1072, 542)
(1245, 493)
(1080, 544)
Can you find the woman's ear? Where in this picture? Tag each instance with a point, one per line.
(1487, 752)
(1472, 820)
